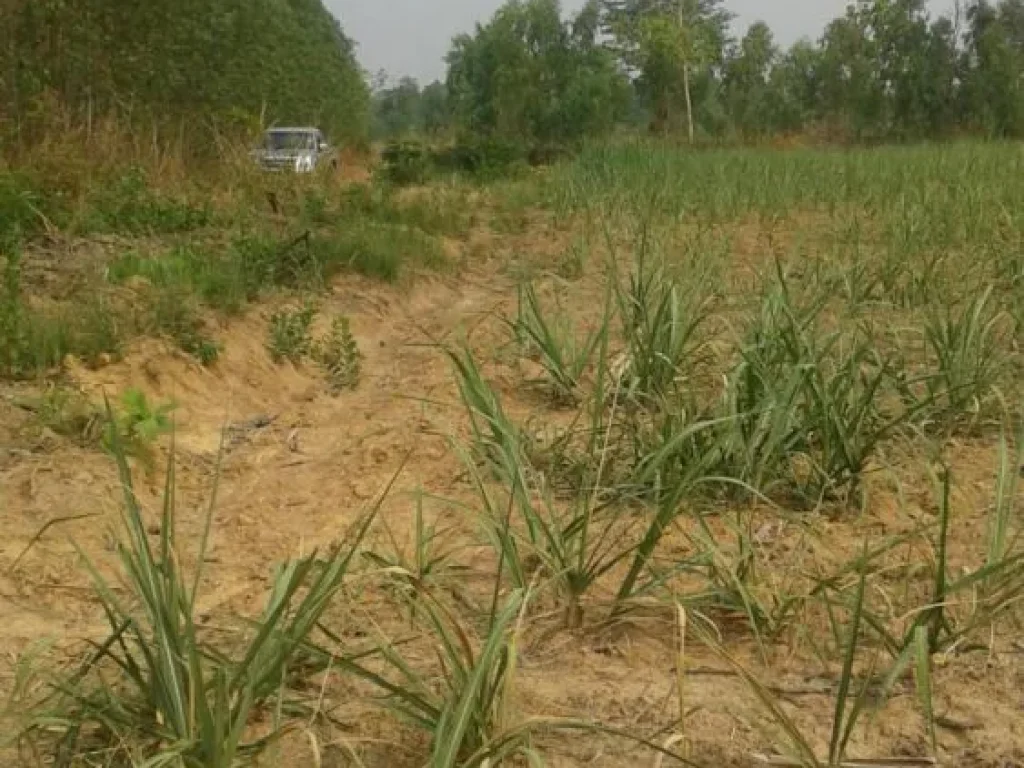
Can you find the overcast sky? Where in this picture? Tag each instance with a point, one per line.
(411, 37)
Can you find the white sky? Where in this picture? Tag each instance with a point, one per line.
(411, 37)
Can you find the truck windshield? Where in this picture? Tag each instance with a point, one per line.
(285, 140)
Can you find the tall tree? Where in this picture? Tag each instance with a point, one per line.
(435, 112)
(749, 82)
(397, 110)
(796, 86)
(529, 74)
(670, 44)
(993, 67)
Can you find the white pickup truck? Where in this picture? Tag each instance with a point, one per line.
(302, 150)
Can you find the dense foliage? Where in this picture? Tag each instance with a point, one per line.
(884, 70)
(531, 75)
(282, 60)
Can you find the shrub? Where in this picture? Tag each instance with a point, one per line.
(339, 355)
(406, 162)
(288, 334)
(484, 158)
(129, 205)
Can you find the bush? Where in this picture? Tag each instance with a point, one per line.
(22, 208)
(484, 158)
(129, 205)
(288, 337)
(338, 354)
(406, 162)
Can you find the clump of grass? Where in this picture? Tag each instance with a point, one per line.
(969, 360)
(804, 409)
(564, 357)
(854, 698)
(338, 354)
(989, 591)
(662, 319)
(468, 711)
(376, 250)
(572, 263)
(229, 278)
(315, 207)
(172, 312)
(34, 342)
(426, 560)
(578, 542)
(20, 351)
(288, 335)
(157, 691)
(441, 212)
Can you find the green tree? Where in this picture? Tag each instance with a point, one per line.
(435, 113)
(796, 91)
(750, 85)
(529, 74)
(397, 111)
(674, 46)
(993, 63)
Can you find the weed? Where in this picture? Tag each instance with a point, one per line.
(338, 354)
(135, 426)
(288, 336)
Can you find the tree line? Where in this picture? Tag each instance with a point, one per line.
(886, 70)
